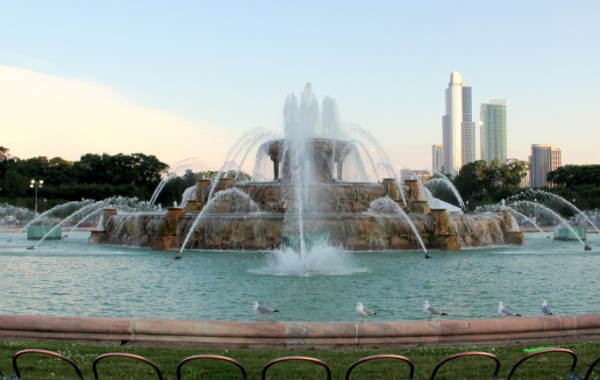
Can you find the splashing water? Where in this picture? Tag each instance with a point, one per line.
(543, 208)
(541, 196)
(322, 259)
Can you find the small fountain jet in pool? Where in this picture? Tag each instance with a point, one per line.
(262, 310)
(363, 311)
(505, 312)
(430, 310)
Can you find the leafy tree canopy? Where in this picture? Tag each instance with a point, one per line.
(571, 176)
(481, 183)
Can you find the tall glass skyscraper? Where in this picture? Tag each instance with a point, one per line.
(459, 141)
(493, 131)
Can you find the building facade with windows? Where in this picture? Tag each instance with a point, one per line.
(493, 131)
(544, 158)
(436, 158)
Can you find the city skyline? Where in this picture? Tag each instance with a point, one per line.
(187, 79)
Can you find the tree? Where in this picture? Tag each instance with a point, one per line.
(570, 176)
(139, 173)
(471, 180)
(480, 183)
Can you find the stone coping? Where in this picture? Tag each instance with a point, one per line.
(302, 335)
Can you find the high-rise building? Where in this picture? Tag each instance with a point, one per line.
(468, 128)
(493, 131)
(459, 141)
(544, 158)
(436, 158)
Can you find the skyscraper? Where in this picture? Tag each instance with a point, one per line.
(544, 158)
(468, 127)
(459, 141)
(436, 158)
(493, 131)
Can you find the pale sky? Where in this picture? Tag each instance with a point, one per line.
(182, 79)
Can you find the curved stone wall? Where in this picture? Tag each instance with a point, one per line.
(303, 335)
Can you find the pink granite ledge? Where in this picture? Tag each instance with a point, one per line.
(300, 335)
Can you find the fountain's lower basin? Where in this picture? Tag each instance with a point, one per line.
(264, 231)
(303, 335)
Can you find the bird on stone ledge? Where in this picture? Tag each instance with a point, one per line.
(262, 310)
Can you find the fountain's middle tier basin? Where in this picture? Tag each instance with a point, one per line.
(280, 196)
(263, 231)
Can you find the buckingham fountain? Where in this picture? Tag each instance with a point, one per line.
(320, 194)
(319, 190)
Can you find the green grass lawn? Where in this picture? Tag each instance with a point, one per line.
(40, 367)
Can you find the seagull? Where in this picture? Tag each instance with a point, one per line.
(262, 310)
(431, 310)
(363, 312)
(505, 312)
(546, 308)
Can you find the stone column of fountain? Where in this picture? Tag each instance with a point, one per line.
(393, 192)
(512, 234)
(417, 206)
(275, 152)
(100, 236)
(202, 188)
(168, 234)
(441, 238)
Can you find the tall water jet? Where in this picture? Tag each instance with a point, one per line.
(186, 164)
(440, 179)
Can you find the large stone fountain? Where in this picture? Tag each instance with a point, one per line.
(312, 194)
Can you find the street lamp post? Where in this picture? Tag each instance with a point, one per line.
(35, 184)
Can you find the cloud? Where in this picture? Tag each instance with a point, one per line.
(45, 115)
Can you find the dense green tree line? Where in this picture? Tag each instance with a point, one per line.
(92, 177)
(579, 184)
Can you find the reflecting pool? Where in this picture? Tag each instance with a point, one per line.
(71, 277)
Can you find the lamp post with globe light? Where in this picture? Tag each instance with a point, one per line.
(35, 184)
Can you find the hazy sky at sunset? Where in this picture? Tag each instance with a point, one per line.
(180, 79)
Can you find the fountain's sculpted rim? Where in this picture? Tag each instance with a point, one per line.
(303, 335)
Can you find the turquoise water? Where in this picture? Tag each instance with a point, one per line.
(71, 277)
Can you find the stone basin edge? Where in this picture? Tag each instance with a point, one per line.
(207, 334)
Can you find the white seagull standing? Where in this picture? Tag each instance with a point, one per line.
(430, 310)
(363, 312)
(262, 310)
(505, 312)
(546, 308)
